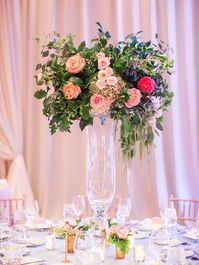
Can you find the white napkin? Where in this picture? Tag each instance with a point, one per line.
(31, 241)
(28, 260)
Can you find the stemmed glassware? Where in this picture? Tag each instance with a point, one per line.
(89, 249)
(169, 217)
(79, 204)
(124, 209)
(32, 209)
(69, 211)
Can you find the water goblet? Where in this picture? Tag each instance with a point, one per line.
(89, 249)
(79, 204)
(169, 217)
(69, 211)
(20, 218)
(124, 209)
(32, 209)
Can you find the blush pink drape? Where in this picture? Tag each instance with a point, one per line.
(56, 164)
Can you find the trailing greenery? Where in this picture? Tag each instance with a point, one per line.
(123, 244)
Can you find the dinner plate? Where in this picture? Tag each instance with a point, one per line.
(165, 242)
(46, 225)
(138, 235)
(191, 235)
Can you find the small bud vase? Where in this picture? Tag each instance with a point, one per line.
(70, 244)
(119, 254)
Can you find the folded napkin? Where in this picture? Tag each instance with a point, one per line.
(32, 260)
(31, 242)
(192, 234)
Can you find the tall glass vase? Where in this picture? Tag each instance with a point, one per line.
(101, 165)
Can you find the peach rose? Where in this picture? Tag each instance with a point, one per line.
(109, 71)
(121, 231)
(75, 64)
(102, 74)
(103, 63)
(134, 99)
(111, 81)
(97, 102)
(146, 84)
(71, 91)
(100, 84)
(100, 55)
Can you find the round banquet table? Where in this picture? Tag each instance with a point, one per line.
(56, 256)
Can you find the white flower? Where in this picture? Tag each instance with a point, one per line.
(111, 81)
(156, 102)
(100, 84)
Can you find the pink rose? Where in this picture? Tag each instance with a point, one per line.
(103, 63)
(71, 91)
(100, 55)
(97, 102)
(111, 81)
(109, 71)
(146, 84)
(134, 99)
(100, 84)
(112, 230)
(75, 64)
(121, 231)
(102, 74)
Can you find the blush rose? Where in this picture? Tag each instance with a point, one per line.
(71, 91)
(134, 99)
(75, 64)
(103, 63)
(146, 84)
(121, 231)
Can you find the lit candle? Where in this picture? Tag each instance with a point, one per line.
(139, 253)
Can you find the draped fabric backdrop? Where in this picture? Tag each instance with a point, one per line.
(55, 165)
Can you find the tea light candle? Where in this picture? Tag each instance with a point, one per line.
(139, 253)
(49, 242)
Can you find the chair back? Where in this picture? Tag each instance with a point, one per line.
(11, 205)
(187, 209)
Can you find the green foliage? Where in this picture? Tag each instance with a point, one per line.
(122, 244)
(130, 60)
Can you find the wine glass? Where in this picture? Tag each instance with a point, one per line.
(69, 211)
(32, 209)
(89, 249)
(79, 204)
(197, 224)
(4, 221)
(124, 209)
(20, 218)
(169, 217)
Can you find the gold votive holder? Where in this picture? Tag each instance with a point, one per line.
(119, 254)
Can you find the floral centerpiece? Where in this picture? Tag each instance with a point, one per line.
(69, 230)
(125, 80)
(120, 236)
